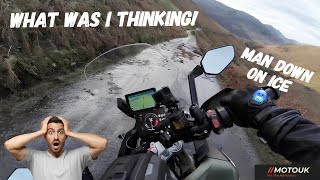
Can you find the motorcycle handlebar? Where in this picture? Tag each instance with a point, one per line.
(223, 119)
(216, 120)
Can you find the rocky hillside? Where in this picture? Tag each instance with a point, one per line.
(242, 24)
(32, 55)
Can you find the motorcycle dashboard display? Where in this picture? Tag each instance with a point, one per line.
(141, 100)
(150, 121)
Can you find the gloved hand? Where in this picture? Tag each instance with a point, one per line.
(244, 105)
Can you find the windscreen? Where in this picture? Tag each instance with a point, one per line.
(141, 100)
(137, 67)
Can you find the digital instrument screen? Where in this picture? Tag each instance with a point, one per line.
(141, 100)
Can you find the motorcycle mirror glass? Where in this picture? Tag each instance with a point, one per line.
(21, 173)
(216, 60)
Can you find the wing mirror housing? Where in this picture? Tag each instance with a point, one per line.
(216, 60)
(212, 63)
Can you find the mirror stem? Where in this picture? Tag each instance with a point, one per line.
(197, 71)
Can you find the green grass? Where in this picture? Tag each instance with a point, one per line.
(189, 28)
(168, 5)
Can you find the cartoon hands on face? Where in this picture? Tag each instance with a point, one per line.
(44, 125)
(66, 125)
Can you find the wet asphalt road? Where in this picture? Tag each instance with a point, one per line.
(90, 106)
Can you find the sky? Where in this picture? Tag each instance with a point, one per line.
(295, 19)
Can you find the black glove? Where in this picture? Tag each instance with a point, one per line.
(244, 105)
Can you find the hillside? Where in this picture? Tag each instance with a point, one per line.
(303, 56)
(213, 35)
(33, 55)
(242, 24)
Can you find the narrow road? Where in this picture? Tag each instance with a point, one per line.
(90, 105)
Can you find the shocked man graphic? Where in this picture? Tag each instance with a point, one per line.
(56, 163)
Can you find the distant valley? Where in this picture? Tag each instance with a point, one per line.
(242, 24)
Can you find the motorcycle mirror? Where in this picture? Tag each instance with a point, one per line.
(216, 60)
(21, 173)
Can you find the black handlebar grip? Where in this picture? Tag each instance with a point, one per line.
(224, 115)
(272, 92)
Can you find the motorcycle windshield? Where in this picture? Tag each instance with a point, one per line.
(136, 67)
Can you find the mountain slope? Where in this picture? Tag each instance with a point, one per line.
(33, 55)
(242, 24)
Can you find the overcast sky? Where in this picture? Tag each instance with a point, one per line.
(296, 19)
